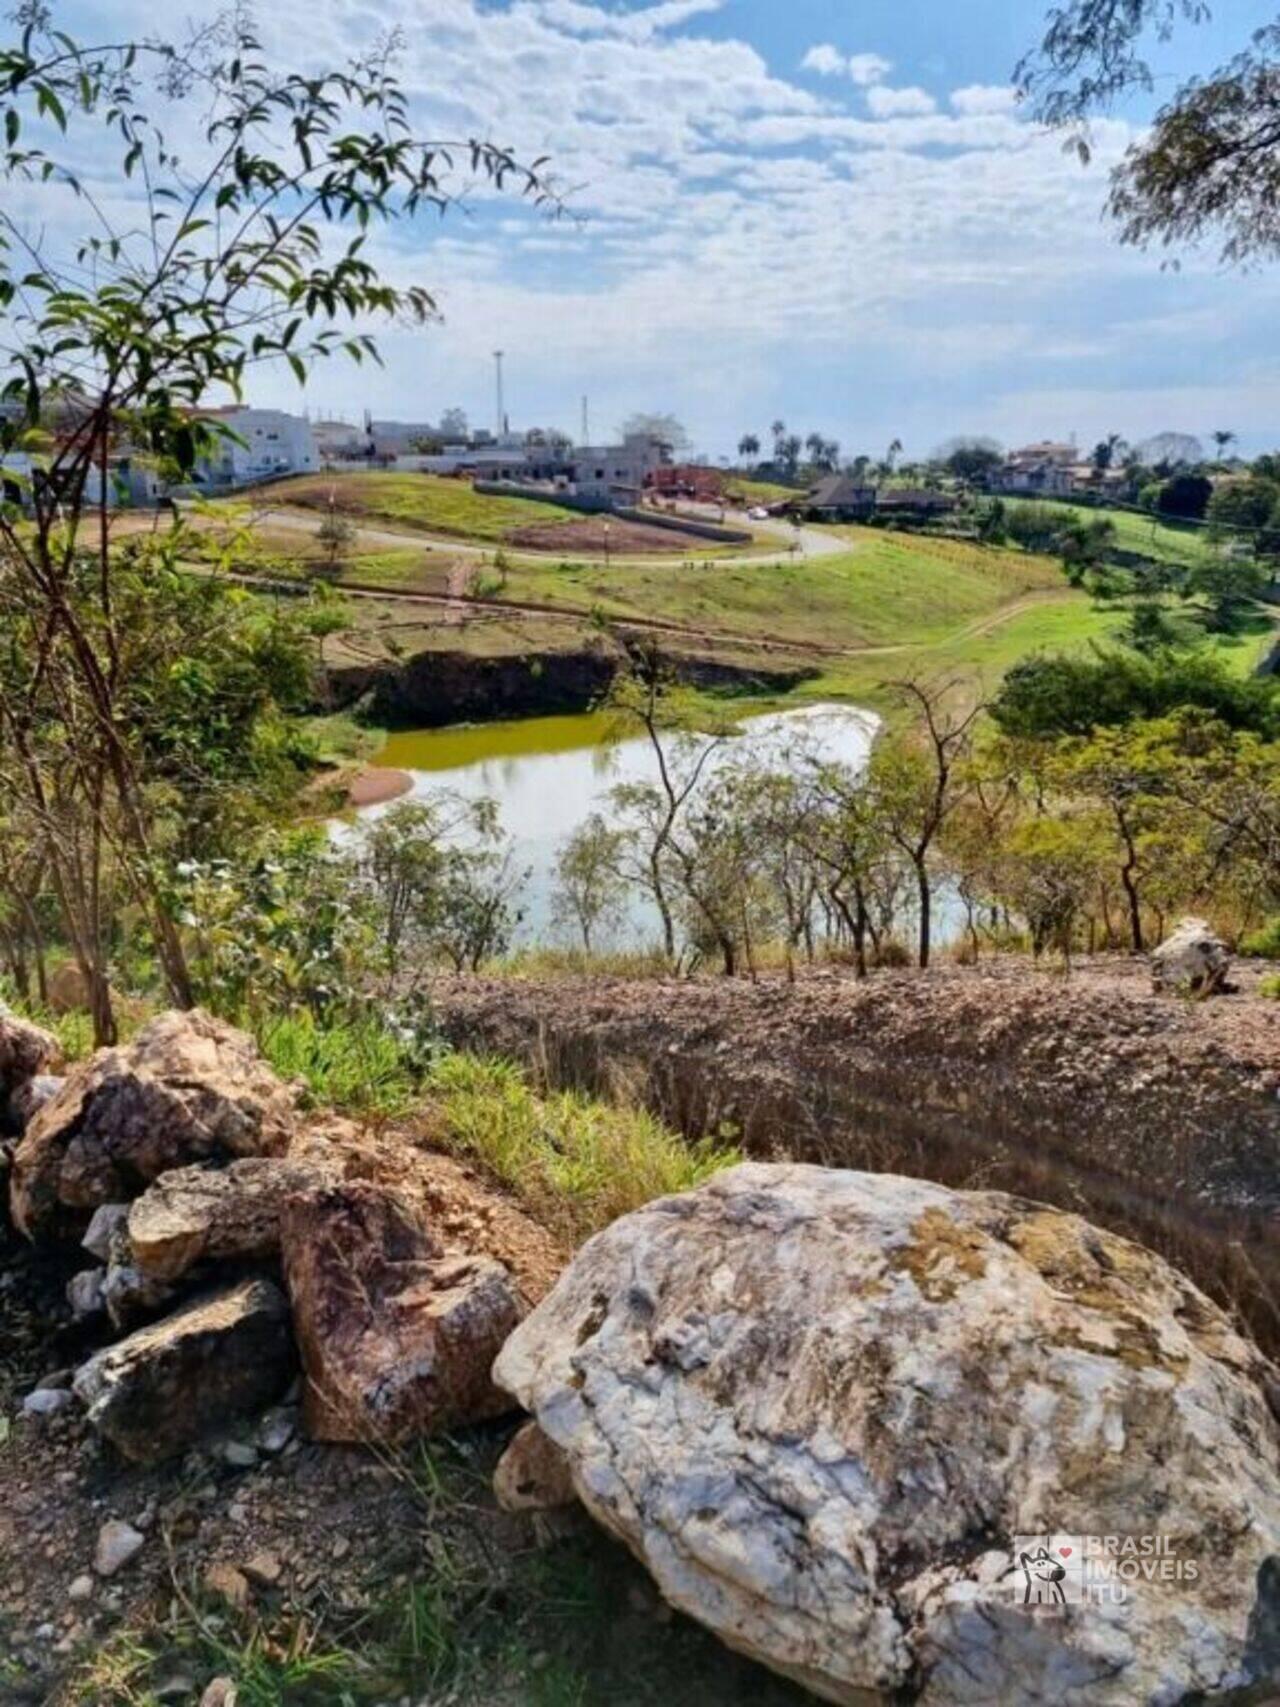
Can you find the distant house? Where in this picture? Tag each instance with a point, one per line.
(839, 498)
(916, 503)
(1044, 470)
(267, 443)
(337, 439)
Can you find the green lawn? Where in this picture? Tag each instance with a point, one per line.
(427, 501)
(888, 589)
(1143, 535)
(761, 491)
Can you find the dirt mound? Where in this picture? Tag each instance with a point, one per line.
(1154, 1115)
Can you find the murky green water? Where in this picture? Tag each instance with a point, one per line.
(546, 774)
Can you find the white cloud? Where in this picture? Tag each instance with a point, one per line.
(826, 60)
(577, 18)
(868, 68)
(899, 103)
(984, 98)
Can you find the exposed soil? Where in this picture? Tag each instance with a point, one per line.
(592, 536)
(1151, 1114)
(372, 787)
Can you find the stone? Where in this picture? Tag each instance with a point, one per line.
(86, 1293)
(31, 1096)
(226, 1354)
(239, 1455)
(188, 1088)
(533, 1473)
(26, 1051)
(1192, 960)
(224, 1582)
(67, 989)
(106, 1222)
(263, 1568)
(220, 1692)
(81, 1588)
(397, 1336)
(118, 1543)
(130, 1296)
(847, 1420)
(46, 1402)
(277, 1429)
(204, 1214)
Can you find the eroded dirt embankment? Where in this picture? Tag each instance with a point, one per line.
(1154, 1115)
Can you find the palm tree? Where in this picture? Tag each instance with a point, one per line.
(1222, 438)
(748, 447)
(893, 453)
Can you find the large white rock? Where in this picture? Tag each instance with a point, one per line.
(1192, 959)
(822, 1406)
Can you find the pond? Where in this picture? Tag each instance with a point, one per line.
(546, 774)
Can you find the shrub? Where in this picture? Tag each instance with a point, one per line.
(356, 1065)
(1270, 988)
(1263, 943)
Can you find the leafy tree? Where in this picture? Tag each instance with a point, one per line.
(1048, 696)
(971, 459)
(225, 259)
(455, 429)
(1185, 497)
(1246, 505)
(1209, 166)
(1229, 585)
(335, 536)
(1221, 439)
(590, 886)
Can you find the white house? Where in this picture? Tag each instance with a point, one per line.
(1042, 470)
(267, 442)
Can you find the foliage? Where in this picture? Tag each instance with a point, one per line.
(1185, 496)
(1047, 696)
(1210, 163)
(577, 1163)
(590, 886)
(1264, 943)
(364, 1065)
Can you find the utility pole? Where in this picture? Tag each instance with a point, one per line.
(586, 429)
(502, 414)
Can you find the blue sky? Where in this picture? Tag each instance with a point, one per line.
(825, 210)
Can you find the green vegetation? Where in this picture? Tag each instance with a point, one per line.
(430, 503)
(576, 1163)
(1144, 536)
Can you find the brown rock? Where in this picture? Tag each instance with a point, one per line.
(225, 1354)
(188, 1088)
(196, 1214)
(224, 1582)
(533, 1474)
(26, 1052)
(263, 1568)
(397, 1337)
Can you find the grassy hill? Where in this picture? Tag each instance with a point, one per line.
(1145, 536)
(431, 502)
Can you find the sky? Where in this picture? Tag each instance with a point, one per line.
(825, 211)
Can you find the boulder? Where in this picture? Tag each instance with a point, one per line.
(397, 1335)
(1192, 960)
(201, 1214)
(188, 1088)
(27, 1053)
(533, 1473)
(853, 1423)
(224, 1354)
(30, 1097)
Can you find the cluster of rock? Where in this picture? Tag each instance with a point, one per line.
(863, 1427)
(228, 1239)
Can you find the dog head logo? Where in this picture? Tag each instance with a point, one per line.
(1043, 1575)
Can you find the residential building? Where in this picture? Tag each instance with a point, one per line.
(613, 474)
(1042, 470)
(266, 443)
(913, 503)
(337, 439)
(839, 498)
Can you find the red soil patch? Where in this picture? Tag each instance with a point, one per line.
(588, 538)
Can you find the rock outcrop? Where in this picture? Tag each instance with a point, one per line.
(220, 1357)
(397, 1335)
(831, 1411)
(188, 1088)
(1192, 959)
(206, 1214)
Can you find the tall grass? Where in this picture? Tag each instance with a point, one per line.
(577, 1163)
(356, 1066)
